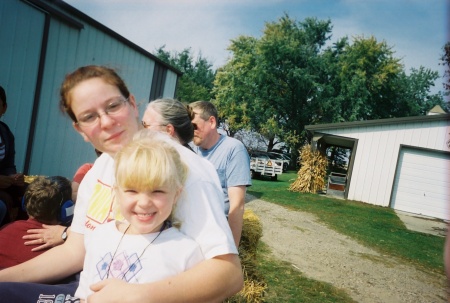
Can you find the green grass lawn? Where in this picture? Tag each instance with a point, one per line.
(373, 226)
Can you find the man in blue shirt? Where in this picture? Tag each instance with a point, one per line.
(230, 158)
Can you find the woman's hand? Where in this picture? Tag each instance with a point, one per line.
(49, 236)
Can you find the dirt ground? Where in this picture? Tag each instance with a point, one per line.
(325, 255)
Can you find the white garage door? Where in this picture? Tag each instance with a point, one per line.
(422, 183)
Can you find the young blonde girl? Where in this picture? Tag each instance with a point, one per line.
(146, 246)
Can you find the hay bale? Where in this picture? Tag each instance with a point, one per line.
(254, 285)
(251, 233)
(252, 292)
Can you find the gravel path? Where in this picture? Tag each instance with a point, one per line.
(325, 255)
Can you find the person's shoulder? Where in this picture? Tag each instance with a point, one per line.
(187, 154)
(174, 231)
(9, 226)
(175, 234)
(85, 166)
(5, 127)
(104, 157)
(21, 225)
(233, 143)
(193, 147)
(4, 124)
(231, 140)
(197, 163)
(103, 162)
(81, 172)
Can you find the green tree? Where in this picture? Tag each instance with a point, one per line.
(235, 88)
(198, 75)
(268, 84)
(413, 96)
(287, 79)
(367, 82)
(365, 71)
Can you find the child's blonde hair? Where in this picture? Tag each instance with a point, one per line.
(150, 161)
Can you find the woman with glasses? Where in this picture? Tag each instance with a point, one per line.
(105, 114)
(170, 116)
(50, 236)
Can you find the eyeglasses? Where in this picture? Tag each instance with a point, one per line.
(112, 108)
(145, 125)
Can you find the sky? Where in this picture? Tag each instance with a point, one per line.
(415, 29)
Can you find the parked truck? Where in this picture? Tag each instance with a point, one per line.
(262, 165)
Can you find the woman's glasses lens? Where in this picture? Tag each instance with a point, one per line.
(111, 109)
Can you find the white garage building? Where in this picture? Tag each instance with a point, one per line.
(403, 163)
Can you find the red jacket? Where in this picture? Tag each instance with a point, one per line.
(12, 248)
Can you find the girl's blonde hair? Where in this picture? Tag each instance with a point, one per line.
(149, 161)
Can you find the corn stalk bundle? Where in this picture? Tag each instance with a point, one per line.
(254, 285)
(311, 176)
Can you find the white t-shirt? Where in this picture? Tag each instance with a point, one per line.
(200, 207)
(135, 258)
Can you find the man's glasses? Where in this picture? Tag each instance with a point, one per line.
(112, 108)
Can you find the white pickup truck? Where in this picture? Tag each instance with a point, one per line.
(262, 165)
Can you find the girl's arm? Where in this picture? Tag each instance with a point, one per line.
(212, 280)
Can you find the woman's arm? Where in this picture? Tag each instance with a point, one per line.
(53, 265)
(48, 236)
(212, 280)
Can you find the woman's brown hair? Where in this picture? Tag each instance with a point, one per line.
(85, 73)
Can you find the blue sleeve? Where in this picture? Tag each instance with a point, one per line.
(238, 168)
